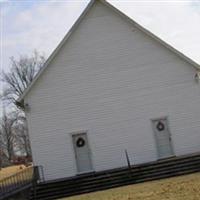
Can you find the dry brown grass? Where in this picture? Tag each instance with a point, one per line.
(15, 174)
(178, 188)
(8, 171)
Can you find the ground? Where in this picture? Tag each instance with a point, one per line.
(18, 173)
(177, 188)
(8, 171)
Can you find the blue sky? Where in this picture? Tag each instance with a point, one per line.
(41, 24)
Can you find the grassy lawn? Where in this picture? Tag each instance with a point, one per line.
(8, 171)
(178, 188)
(15, 174)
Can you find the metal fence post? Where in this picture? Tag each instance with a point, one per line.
(36, 177)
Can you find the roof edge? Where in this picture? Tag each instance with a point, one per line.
(55, 51)
(152, 35)
(149, 33)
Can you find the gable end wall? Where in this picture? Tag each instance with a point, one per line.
(110, 80)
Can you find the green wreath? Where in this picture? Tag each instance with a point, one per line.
(160, 126)
(80, 142)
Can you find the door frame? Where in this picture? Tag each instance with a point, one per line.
(72, 134)
(155, 136)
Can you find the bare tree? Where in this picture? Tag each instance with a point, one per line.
(21, 74)
(13, 130)
(14, 135)
(6, 135)
(20, 131)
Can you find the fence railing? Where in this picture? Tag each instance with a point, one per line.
(19, 181)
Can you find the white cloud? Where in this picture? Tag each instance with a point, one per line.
(41, 26)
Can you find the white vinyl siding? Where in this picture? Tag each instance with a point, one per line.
(110, 79)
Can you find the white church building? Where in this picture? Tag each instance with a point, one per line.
(111, 86)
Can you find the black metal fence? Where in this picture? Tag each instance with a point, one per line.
(20, 181)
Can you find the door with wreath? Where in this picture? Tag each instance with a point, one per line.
(82, 153)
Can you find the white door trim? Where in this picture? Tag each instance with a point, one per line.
(74, 134)
(156, 139)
